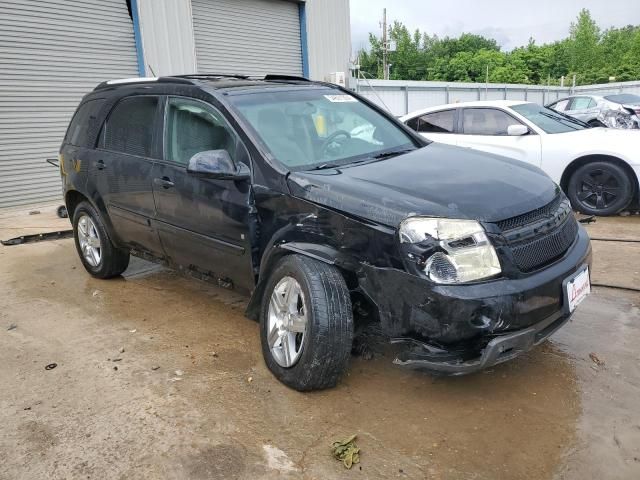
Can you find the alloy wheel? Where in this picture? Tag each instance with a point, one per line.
(89, 241)
(598, 189)
(288, 320)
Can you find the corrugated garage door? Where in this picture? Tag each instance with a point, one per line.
(252, 37)
(52, 52)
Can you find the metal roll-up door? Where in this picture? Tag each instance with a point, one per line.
(252, 37)
(52, 52)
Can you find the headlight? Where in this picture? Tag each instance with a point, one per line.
(463, 253)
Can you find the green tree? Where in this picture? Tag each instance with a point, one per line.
(590, 54)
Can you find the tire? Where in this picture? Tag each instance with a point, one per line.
(89, 229)
(600, 188)
(324, 347)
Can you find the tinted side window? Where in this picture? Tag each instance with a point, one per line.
(130, 126)
(486, 121)
(83, 121)
(437, 122)
(194, 127)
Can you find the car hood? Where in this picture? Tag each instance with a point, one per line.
(605, 140)
(437, 180)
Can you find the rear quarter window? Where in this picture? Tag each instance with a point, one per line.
(130, 126)
(436, 122)
(84, 121)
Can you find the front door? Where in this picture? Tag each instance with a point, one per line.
(203, 223)
(485, 129)
(120, 171)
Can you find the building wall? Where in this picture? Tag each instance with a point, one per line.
(328, 37)
(168, 44)
(166, 29)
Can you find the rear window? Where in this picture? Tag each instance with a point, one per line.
(82, 122)
(130, 126)
(436, 122)
(624, 98)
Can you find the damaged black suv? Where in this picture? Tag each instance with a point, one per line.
(331, 213)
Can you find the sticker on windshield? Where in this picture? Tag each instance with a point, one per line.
(340, 98)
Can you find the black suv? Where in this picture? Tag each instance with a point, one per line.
(332, 214)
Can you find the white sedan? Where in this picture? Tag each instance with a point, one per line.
(598, 168)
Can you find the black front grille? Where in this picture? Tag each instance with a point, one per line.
(539, 237)
(532, 216)
(542, 251)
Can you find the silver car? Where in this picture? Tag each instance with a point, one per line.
(615, 111)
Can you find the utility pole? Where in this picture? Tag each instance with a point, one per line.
(385, 46)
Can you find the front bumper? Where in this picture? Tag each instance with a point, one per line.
(501, 349)
(463, 328)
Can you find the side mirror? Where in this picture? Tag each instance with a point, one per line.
(217, 164)
(517, 130)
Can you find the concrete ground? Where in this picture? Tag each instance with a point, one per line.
(161, 377)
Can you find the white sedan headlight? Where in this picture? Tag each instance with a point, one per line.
(465, 253)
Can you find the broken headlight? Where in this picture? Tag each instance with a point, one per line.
(448, 250)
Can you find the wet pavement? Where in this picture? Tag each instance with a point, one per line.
(160, 376)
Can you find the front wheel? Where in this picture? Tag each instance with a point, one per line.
(306, 323)
(99, 256)
(600, 188)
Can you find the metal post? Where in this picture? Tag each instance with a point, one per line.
(526, 93)
(504, 96)
(446, 94)
(479, 93)
(486, 84)
(406, 99)
(385, 67)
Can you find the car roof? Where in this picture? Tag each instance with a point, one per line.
(215, 81)
(479, 103)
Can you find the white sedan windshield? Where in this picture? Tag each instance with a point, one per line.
(549, 120)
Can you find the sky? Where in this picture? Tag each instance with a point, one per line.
(509, 22)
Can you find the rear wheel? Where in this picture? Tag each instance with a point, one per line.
(596, 123)
(306, 323)
(600, 188)
(98, 255)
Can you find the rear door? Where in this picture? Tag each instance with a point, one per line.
(582, 108)
(120, 170)
(437, 126)
(485, 128)
(203, 223)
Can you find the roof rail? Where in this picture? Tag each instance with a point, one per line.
(135, 80)
(276, 77)
(204, 76)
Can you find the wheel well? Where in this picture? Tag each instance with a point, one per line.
(253, 309)
(578, 162)
(72, 199)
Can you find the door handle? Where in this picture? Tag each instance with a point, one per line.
(164, 182)
(100, 165)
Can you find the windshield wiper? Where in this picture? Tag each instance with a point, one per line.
(379, 156)
(566, 119)
(324, 166)
(392, 153)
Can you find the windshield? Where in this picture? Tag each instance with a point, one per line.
(549, 120)
(309, 128)
(624, 98)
